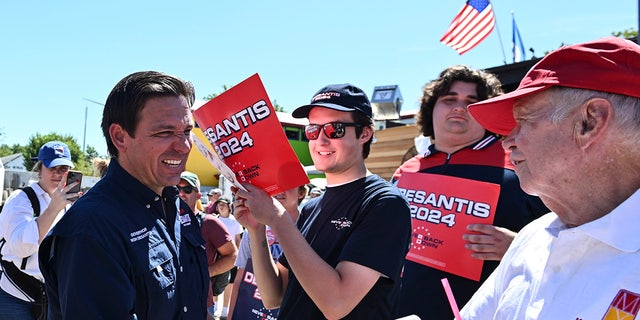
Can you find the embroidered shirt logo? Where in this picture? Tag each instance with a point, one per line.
(624, 306)
(341, 223)
(139, 235)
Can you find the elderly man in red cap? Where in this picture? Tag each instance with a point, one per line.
(573, 128)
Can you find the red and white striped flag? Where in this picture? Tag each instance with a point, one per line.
(473, 23)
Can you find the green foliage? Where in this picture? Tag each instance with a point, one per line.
(276, 106)
(627, 33)
(213, 95)
(6, 150)
(91, 153)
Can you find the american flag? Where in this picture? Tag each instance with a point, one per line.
(470, 26)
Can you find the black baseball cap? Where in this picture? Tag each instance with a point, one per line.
(341, 97)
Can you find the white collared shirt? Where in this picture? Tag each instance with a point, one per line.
(20, 229)
(554, 272)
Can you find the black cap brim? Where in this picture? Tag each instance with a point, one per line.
(303, 111)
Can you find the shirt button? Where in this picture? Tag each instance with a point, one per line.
(156, 199)
(185, 309)
(181, 269)
(148, 206)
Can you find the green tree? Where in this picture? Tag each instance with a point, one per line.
(277, 107)
(6, 150)
(275, 104)
(213, 95)
(91, 153)
(627, 33)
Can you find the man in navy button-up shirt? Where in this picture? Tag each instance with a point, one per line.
(130, 248)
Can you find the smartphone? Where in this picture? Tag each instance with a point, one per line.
(73, 176)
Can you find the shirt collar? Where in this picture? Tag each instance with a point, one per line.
(133, 186)
(38, 189)
(488, 139)
(619, 228)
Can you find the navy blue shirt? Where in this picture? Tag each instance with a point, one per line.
(117, 254)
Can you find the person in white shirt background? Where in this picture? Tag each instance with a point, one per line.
(22, 229)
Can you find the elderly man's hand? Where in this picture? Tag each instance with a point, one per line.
(490, 244)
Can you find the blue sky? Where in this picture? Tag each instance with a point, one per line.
(56, 54)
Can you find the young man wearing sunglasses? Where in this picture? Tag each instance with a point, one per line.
(343, 256)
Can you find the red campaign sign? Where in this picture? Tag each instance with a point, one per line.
(245, 133)
(441, 208)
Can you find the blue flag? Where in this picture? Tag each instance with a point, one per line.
(517, 47)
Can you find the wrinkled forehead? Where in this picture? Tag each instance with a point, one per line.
(532, 104)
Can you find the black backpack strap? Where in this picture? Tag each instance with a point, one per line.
(35, 204)
(2, 242)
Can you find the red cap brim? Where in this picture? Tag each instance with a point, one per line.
(496, 114)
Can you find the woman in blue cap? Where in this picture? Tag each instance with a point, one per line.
(26, 217)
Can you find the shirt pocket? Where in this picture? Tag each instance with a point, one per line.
(161, 264)
(153, 263)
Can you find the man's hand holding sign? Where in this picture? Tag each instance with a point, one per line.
(488, 242)
(442, 207)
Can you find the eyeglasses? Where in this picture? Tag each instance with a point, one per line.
(333, 130)
(59, 169)
(185, 189)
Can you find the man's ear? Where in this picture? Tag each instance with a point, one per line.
(118, 136)
(367, 133)
(595, 116)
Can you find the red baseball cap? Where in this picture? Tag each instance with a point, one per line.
(609, 64)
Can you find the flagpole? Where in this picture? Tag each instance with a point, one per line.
(504, 57)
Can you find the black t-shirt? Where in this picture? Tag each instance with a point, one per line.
(365, 221)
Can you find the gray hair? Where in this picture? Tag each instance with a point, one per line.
(626, 115)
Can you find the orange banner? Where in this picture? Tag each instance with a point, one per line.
(441, 208)
(247, 137)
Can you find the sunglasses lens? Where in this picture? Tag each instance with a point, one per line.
(312, 131)
(186, 189)
(334, 130)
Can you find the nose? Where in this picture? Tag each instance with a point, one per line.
(460, 107)
(322, 137)
(183, 143)
(509, 141)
